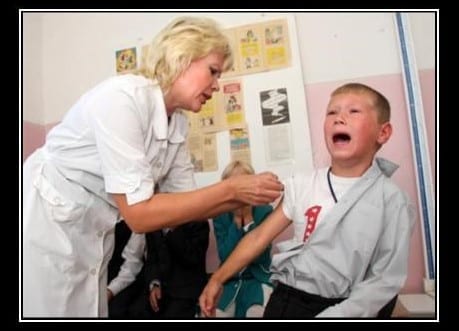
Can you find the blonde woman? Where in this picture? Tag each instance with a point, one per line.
(102, 163)
(246, 293)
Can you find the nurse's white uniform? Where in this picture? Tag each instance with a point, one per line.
(115, 139)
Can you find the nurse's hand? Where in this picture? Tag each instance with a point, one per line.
(259, 189)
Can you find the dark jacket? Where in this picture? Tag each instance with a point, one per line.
(178, 259)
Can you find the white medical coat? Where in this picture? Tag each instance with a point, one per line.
(117, 138)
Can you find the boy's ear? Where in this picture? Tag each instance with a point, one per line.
(384, 133)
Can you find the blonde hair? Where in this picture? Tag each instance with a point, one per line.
(232, 166)
(380, 102)
(182, 41)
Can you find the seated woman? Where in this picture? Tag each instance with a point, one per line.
(246, 294)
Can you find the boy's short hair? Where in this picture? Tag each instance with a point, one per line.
(381, 104)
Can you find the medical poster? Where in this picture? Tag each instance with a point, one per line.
(209, 119)
(240, 145)
(126, 60)
(203, 151)
(234, 70)
(274, 106)
(209, 152)
(233, 103)
(278, 142)
(195, 148)
(249, 44)
(276, 44)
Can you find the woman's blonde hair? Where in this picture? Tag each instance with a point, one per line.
(228, 171)
(182, 41)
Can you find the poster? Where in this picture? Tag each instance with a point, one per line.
(240, 145)
(274, 106)
(249, 41)
(126, 60)
(279, 144)
(276, 45)
(233, 103)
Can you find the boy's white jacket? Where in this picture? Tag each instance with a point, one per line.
(359, 249)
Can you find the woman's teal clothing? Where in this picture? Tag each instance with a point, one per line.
(244, 288)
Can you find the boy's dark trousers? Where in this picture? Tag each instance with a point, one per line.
(288, 302)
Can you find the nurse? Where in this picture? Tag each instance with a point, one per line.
(115, 151)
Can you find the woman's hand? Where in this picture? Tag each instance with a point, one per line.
(209, 298)
(260, 189)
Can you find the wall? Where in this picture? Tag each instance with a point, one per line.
(76, 51)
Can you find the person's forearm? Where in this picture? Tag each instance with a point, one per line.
(172, 209)
(245, 252)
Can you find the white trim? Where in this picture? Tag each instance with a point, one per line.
(419, 140)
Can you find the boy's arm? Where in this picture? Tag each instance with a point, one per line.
(388, 268)
(264, 259)
(248, 249)
(133, 261)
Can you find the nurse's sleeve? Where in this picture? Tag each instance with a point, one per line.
(117, 126)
